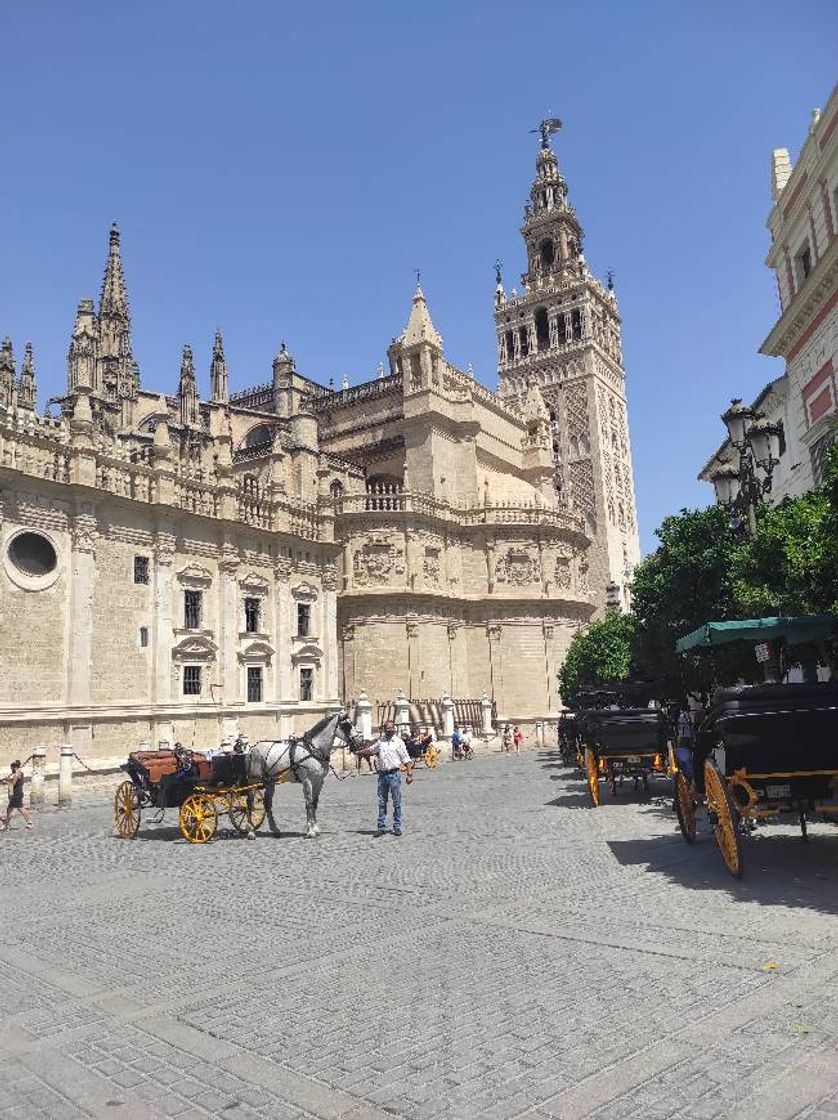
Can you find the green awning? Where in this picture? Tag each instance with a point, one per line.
(794, 628)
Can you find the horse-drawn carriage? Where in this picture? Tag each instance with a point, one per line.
(239, 786)
(623, 743)
(763, 752)
(570, 740)
(201, 789)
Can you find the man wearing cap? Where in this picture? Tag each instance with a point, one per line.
(390, 753)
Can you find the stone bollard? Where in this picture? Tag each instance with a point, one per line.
(486, 714)
(539, 733)
(402, 706)
(363, 716)
(36, 789)
(65, 775)
(446, 707)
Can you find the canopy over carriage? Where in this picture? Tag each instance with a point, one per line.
(762, 751)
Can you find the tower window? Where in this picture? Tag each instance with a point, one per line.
(803, 263)
(576, 323)
(254, 684)
(252, 611)
(547, 252)
(192, 603)
(510, 345)
(192, 680)
(140, 569)
(542, 329)
(303, 620)
(143, 637)
(525, 346)
(306, 684)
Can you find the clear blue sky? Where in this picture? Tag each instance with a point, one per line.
(279, 170)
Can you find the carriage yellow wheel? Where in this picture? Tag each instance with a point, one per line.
(432, 756)
(247, 810)
(198, 819)
(592, 771)
(724, 816)
(126, 810)
(685, 807)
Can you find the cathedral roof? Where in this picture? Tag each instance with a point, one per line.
(419, 326)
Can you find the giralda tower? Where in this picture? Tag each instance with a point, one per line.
(562, 333)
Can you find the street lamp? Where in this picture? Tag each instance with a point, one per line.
(741, 487)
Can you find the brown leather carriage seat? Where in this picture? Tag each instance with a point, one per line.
(157, 764)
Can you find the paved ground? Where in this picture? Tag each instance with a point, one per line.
(515, 954)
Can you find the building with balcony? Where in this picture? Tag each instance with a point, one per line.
(803, 224)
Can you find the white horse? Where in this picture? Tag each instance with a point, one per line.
(304, 760)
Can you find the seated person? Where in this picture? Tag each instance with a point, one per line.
(416, 743)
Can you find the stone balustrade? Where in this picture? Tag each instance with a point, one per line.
(388, 500)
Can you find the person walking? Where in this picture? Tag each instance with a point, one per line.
(508, 740)
(684, 739)
(15, 784)
(518, 738)
(390, 753)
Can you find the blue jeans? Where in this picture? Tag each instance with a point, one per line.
(389, 784)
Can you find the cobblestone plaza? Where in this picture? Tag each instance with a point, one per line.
(515, 954)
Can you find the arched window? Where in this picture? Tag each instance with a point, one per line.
(261, 435)
(547, 252)
(336, 490)
(525, 346)
(542, 329)
(510, 346)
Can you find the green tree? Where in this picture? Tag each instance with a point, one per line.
(785, 569)
(601, 653)
(682, 585)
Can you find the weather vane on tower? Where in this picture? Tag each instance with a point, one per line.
(547, 128)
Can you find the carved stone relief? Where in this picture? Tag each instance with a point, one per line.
(378, 560)
(517, 567)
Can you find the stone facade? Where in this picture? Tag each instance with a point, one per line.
(179, 567)
(562, 333)
(803, 223)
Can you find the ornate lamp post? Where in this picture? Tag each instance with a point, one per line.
(741, 486)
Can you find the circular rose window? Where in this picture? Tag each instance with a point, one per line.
(33, 554)
(31, 560)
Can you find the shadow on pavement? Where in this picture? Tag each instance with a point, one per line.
(779, 870)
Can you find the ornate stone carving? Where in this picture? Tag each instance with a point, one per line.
(583, 575)
(253, 584)
(193, 575)
(229, 560)
(348, 632)
(432, 566)
(562, 573)
(493, 631)
(378, 560)
(304, 593)
(164, 548)
(85, 533)
(329, 579)
(549, 630)
(412, 627)
(517, 567)
(198, 648)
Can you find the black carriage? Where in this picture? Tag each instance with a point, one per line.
(569, 739)
(201, 789)
(624, 743)
(763, 752)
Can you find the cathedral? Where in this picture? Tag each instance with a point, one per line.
(177, 566)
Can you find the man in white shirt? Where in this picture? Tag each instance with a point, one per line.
(389, 752)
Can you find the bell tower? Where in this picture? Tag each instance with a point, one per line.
(561, 333)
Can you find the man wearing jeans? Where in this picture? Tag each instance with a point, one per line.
(389, 752)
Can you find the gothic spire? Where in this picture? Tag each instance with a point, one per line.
(8, 375)
(82, 364)
(218, 372)
(26, 393)
(119, 373)
(419, 325)
(188, 389)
